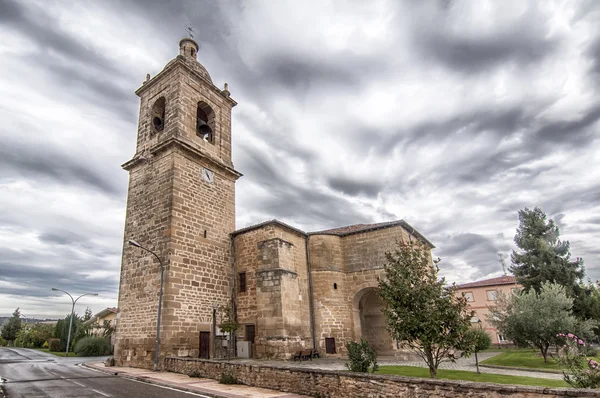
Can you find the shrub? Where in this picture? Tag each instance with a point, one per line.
(582, 372)
(361, 357)
(194, 373)
(228, 379)
(3, 342)
(92, 346)
(54, 345)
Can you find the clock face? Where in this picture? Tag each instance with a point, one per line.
(208, 175)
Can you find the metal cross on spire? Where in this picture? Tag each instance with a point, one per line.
(190, 28)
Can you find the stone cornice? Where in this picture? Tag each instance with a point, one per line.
(186, 147)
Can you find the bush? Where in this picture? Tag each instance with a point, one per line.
(581, 372)
(361, 357)
(3, 342)
(53, 345)
(228, 379)
(92, 346)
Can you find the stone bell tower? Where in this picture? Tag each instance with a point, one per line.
(180, 205)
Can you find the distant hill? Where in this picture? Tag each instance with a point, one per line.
(3, 319)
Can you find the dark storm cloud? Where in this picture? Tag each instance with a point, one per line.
(291, 201)
(37, 25)
(481, 251)
(574, 133)
(96, 89)
(498, 122)
(524, 41)
(355, 187)
(39, 281)
(594, 53)
(28, 161)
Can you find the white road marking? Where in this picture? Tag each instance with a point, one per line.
(100, 392)
(170, 388)
(78, 383)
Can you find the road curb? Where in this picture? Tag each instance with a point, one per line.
(160, 383)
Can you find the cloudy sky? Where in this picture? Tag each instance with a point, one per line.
(451, 115)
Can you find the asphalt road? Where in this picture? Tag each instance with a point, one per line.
(30, 373)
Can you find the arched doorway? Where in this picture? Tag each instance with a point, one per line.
(369, 321)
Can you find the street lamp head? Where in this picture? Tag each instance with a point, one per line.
(133, 243)
(94, 294)
(55, 289)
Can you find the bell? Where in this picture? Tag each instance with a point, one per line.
(203, 128)
(158, 123)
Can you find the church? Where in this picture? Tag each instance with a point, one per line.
(290, 289)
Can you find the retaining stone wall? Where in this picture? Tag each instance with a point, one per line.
(324, 383)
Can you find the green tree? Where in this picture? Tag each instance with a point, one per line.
(479, 341)
(61, 331)
(229, 325)
(34, 336)
(534, 318)
(543, 257)
(12, 327)
(88, 314)
(421, 312)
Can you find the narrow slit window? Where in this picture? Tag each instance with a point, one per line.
(242, 281)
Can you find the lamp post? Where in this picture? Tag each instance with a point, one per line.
(72, 313)
(477, 359)
(162, 268)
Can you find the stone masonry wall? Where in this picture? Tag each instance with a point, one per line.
(147, 221)
(341, 280)
(366, 250)
(276, 300)
(323, 383)
(200, 271)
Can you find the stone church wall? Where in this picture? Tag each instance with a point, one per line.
(276, 300)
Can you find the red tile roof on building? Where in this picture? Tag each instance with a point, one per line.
(500, 280)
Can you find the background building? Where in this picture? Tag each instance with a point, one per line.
(482, 294)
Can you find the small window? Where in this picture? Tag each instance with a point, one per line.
(501, 338)
(491, 295)
(242, 281)
(469, 296)
(330, 345)
(335, 286)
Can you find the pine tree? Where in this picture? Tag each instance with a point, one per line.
(12, 327)
(543, 257)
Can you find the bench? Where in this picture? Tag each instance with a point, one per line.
(303, 355)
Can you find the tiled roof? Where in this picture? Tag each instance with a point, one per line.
(342, 231)
(352, 229)
(500, 280)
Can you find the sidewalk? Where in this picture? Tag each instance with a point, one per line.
(207, 387)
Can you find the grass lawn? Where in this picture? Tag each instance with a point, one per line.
(522, 358)
(413, 371)
(58, 354)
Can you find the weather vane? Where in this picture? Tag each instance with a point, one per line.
(190, 28)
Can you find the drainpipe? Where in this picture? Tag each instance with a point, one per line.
(233, 336)
(310, 295)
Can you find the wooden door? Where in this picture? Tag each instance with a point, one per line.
(250, 333)
(329, 345)
(205, 345)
